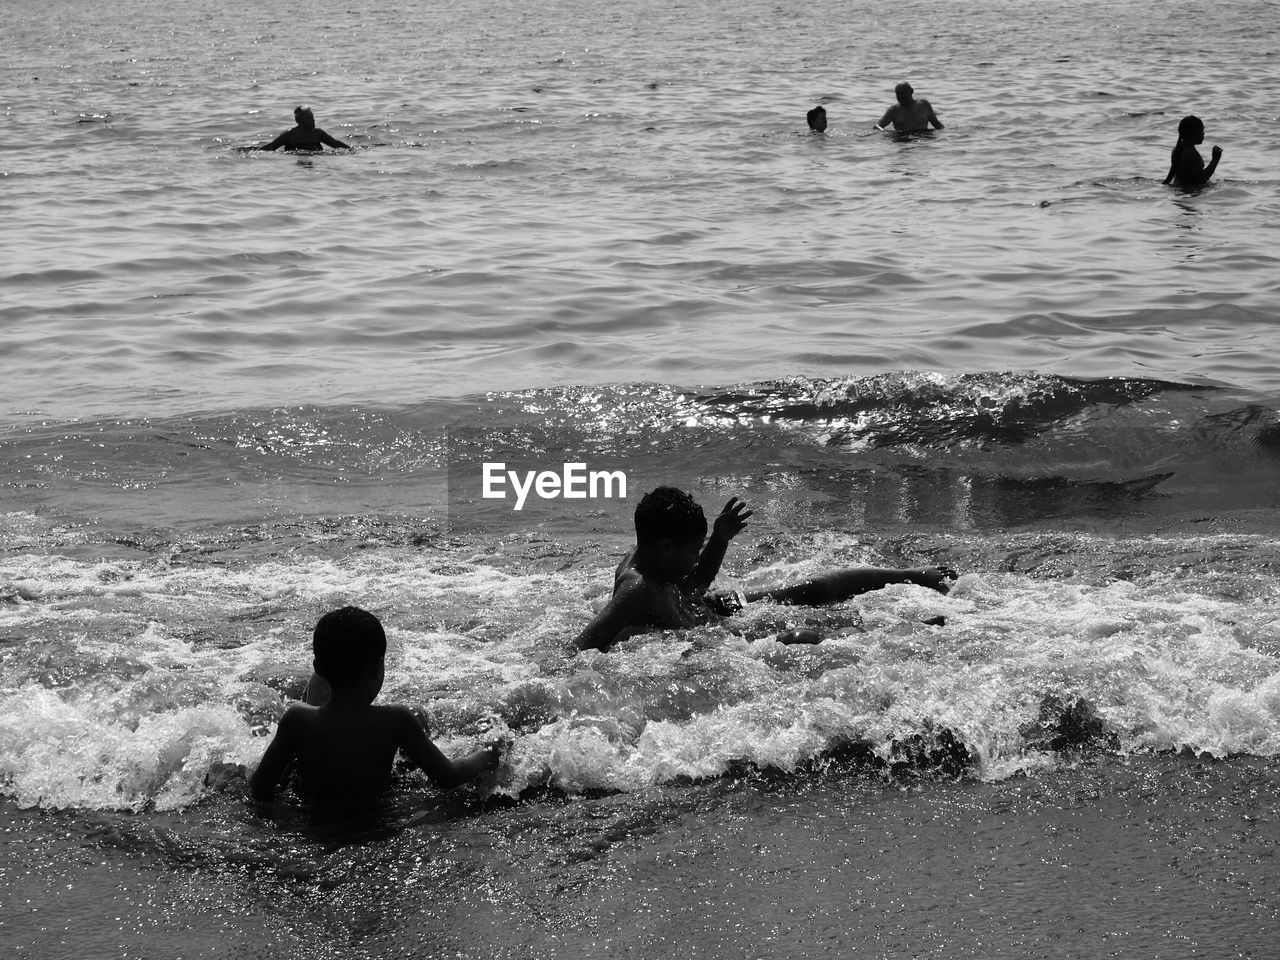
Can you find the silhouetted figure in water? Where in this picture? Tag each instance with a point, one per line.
(909, 115)
(340, 745)
(305, 136)
(817, 118)
(662, 583)
(1186, 166)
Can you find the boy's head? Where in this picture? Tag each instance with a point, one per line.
(1191, 129)
(817, 118)
(346, 643)
(670, 529)
(303, 117)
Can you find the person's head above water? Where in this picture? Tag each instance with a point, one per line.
(668, 513)
(903, 92)
(1191, 129)
(346, 644)
(817, 118)
(670, 530)
(303, 117)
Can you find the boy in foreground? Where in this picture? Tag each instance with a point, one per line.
(661, 584)
(344, 749)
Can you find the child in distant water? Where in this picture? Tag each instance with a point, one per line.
(305, 136)
(344, 748)
(661, 584)
(909, 115)
(1186, 166)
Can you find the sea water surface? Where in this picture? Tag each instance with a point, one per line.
(238, 389)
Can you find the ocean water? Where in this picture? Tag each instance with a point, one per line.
(239, 389)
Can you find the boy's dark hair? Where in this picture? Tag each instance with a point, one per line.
(345, 642)
(667, 513)
(1189, 126)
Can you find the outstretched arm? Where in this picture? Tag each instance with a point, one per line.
(330, 141)
(446, 773)
(843, 584)
(626, 613)
(886, 119)
(932, 117)
(275, 144)
(730, 523)
(275, 761)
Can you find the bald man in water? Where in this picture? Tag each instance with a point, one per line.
(305, 136)
(909, 115)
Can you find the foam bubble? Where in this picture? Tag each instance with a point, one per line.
(59, 752)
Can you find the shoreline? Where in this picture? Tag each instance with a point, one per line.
(1137, 857)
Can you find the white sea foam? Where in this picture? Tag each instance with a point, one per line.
(131, 681)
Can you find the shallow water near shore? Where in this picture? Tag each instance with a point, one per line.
(1089, 859)
(1037, 770)
(241, 389)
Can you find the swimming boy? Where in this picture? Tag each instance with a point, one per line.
(344, 749)
(1186, 166)
(817, 119)
(661, 584)
(909, 115)
(305, 136)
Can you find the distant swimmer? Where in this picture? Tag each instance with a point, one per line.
(305, 136)
(1186, 166)
(817, 118)
(909, 115)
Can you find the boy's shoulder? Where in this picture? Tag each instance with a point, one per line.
(630, 585)
(397, 713)
(298, 714)
(303, 719)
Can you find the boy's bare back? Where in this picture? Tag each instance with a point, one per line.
(344, 749)
(348, 754)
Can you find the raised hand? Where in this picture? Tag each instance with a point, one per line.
(732, 519)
